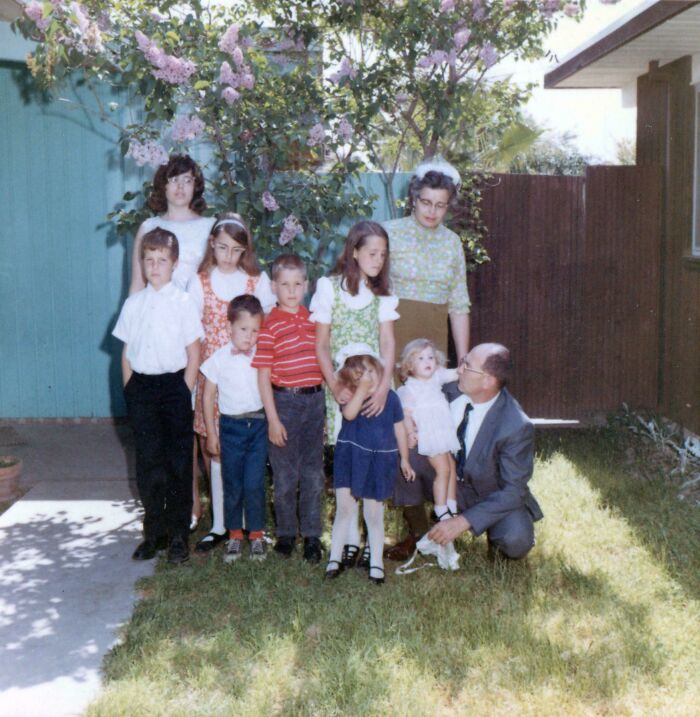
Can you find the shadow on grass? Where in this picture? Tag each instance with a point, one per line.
(349, 647)
(617, 464)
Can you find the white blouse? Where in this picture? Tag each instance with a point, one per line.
(322, 302)
(229, 286)
(192, 235)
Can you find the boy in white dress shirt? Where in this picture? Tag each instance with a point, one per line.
(161, 331)
(241, 438)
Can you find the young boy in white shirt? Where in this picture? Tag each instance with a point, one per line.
(161, 331)
(241, 436)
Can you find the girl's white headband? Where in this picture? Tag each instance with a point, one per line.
(221, 222)
(438, 165)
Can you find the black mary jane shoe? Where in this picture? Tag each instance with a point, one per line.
(363, 560)
(376, 581)
(333, 573)
(349, 557)
(209, 542)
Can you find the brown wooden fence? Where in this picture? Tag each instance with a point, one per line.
(572, 287)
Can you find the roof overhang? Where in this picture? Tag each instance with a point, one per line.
(10, 10)
(657, 31)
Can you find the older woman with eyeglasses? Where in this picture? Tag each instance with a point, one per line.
(428, 269)
(429, 275)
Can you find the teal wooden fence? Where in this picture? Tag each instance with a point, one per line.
(63, 270)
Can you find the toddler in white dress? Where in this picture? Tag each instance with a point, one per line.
(423, 371)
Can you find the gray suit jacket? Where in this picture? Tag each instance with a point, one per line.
(499, 464)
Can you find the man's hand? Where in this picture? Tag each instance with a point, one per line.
(277, 433)
(374, 404)
(447, 530)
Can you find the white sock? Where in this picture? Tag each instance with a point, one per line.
(217, 498)
(452, 506)
(441, 512)
(374, 519)
(345, 523)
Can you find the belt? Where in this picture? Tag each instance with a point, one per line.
(245, 416)
(297, 389)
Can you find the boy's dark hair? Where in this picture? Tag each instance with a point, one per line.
(286, 262)
(347, 266)
(431, 180)
(160, 239)
(245, 303)
(177, 164)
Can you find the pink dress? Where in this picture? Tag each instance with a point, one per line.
(216, 335)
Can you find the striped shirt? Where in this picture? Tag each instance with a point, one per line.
(287, 346)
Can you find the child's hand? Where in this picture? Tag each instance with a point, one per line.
(277, 433)
(408, 473)
(341, 393)
(213, 445)
(411, 430)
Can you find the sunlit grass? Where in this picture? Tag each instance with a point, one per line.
(601, 619)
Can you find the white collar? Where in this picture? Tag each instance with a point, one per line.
(164, 290)
(483, 408)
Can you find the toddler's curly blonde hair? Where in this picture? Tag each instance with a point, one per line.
(411, 350)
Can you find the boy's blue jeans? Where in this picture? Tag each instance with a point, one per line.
(243, 444)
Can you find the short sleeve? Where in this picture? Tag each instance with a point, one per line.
(264, 349)
(195, 290)
(387, 308)
(395, 407)
(406, 397)
(321, 306)
(191, 323)
(458, 299)
(210, 369)
(122, 330)
(263, 291)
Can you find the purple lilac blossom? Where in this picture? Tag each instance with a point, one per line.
(291, 229)
(229, 40)
(269, 202)
(461, 38)
(571, 9)
(447, 5)
(149, 152)
(186, 128)
(316, 135)
(346, 69)
(230, 96)
(488, 54)
(35, 12)
(345, 129)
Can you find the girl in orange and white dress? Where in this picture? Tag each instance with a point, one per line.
(229, 268)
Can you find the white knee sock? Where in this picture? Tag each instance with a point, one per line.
(374, 519)
(217, 498)
(345, 523)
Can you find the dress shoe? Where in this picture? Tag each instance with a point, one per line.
(209, 542)
(148, 548)
(285, 545)
(363, 560)
(376, 579)
(333, 570)
(349, 556)
(312, 550)
(178, 551)
(403, 550)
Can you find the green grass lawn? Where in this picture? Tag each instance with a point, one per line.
(601, 619)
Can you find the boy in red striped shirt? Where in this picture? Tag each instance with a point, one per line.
(290, 383)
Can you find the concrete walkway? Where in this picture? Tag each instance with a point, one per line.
(66, 577)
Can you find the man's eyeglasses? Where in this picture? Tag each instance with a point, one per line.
(464, 365)
(427, 204)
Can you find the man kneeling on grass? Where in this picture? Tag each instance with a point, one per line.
(494, 463)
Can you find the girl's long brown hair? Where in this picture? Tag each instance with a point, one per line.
(348, 268)
(240, 234)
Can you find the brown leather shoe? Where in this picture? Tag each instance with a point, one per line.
(403, 550)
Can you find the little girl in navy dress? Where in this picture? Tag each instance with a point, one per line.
(367, 456)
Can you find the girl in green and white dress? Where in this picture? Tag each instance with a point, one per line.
(355, 305)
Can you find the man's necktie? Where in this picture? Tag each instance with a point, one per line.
(462, 437)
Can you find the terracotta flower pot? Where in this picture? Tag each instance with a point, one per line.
(10, 471)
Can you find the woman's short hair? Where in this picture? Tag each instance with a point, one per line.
(431, 180)
(177, 164)
(411, 350)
